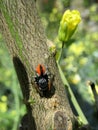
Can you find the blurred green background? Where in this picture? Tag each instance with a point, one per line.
(79, 61)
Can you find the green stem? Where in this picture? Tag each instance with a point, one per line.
(73, 99)
(61, 52)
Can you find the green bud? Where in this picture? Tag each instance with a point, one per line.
(68, 25)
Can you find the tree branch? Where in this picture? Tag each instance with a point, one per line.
(22, 29)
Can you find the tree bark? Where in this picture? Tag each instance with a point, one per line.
(22, 30)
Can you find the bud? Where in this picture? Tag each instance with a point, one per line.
(52, 47)
(68, 24)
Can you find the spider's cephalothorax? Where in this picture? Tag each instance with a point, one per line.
(42, 79)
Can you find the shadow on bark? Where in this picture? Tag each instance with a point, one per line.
(27, 121)
(22, 77)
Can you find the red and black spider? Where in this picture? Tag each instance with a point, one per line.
(43, 80)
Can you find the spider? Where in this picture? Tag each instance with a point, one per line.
(43, 79)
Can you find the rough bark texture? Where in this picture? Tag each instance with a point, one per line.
(26, 41)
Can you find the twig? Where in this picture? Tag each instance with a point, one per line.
(93, 88)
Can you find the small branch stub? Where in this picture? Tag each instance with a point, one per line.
(62, 122)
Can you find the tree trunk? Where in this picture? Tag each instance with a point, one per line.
(22, 30)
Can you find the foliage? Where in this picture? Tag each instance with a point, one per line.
(79, 60)
(10, 105)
